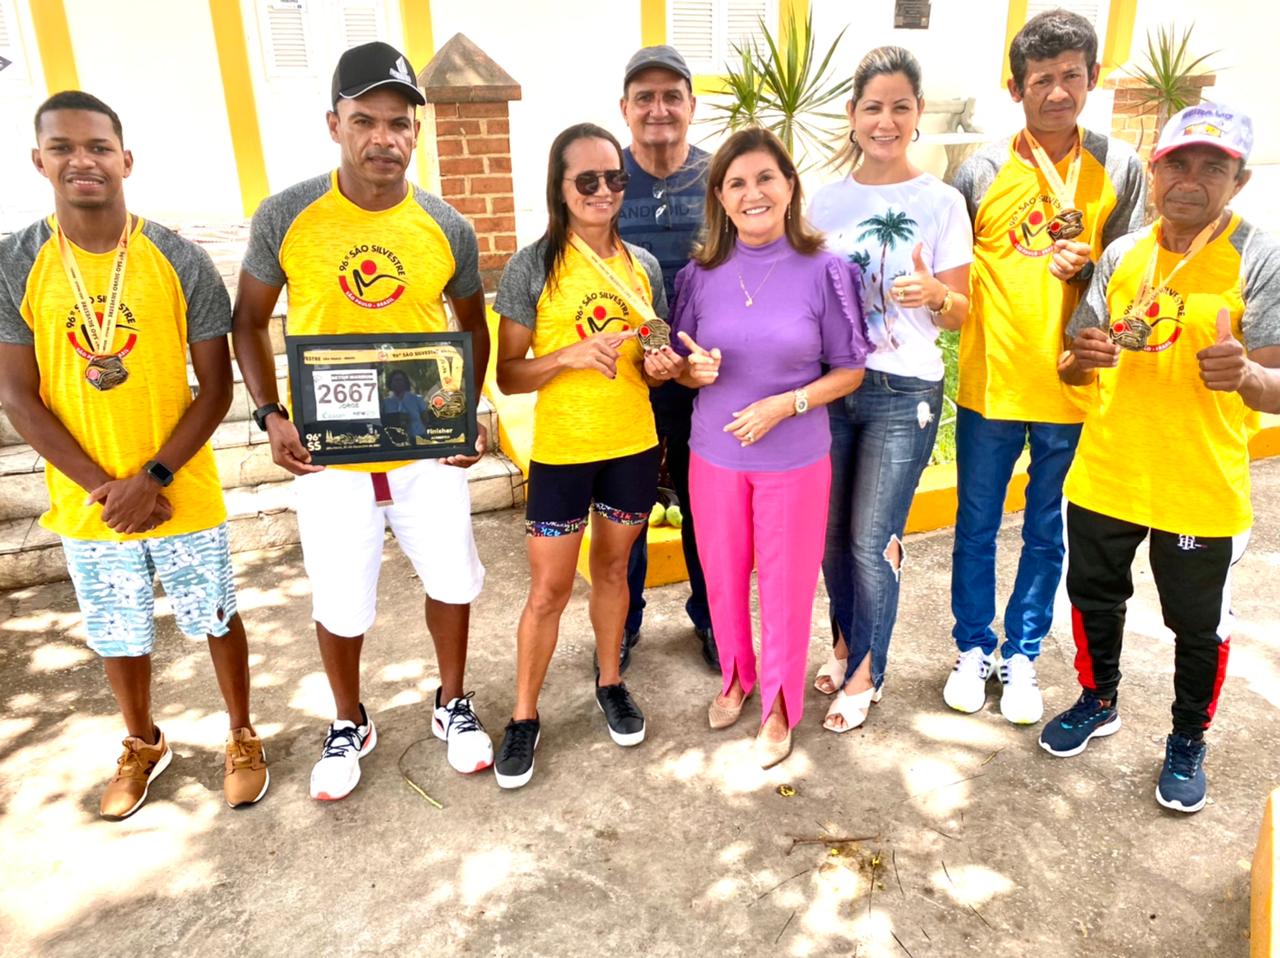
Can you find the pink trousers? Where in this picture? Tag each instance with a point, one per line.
(778, 522)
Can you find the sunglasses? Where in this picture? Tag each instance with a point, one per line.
(587, 183)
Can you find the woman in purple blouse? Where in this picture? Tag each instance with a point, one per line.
(772, 329)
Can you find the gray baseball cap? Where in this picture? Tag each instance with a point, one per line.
(665, 57)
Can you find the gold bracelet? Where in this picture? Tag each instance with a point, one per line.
(944, 307)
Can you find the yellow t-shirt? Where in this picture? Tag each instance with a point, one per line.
(1160, 449)
(352, 270)
(1018, 312)
(172, 296)
(582, 416)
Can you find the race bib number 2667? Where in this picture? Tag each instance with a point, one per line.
(346, 394)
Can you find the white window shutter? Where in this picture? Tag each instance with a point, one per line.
(691, 30)
(360, 22)
(284, 38)
(16, 68)
(743, 23)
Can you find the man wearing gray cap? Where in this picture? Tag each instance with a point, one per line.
(662, 212)
(365, 251)
(1179, 335)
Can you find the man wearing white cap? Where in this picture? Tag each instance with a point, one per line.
(1179, 335)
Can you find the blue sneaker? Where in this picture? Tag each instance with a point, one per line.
(1182, 785)
(1068, 734)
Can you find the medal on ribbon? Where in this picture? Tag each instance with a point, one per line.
(1069, 221)
(653, 331)
(1132, 330)
(447, 401)
(105, 369)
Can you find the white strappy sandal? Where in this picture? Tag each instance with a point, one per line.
(852, 708)
(833, 672)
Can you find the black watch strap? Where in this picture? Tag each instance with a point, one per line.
(262, 412)
(159, 472)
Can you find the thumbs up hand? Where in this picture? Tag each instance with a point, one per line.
(918, 288)
(1224, 366)
(704, 365)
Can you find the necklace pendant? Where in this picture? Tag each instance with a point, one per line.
(750, 300)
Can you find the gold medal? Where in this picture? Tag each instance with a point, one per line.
(654, 333)
(1132, 330)
(1069, 223)
(105, 372)
(447, 403)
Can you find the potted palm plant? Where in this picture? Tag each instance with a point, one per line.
(1169, 80)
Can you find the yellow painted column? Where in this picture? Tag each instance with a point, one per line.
(53, 37)
(242, 110)
(1017, 19)
(799, 9)
(1118, 44)
(653, 22)
(420, 47)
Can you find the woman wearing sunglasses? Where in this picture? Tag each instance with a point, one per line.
(911, 233)
(578, 297)
(772, 329)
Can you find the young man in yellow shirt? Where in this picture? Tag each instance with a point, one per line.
(365, 251)
(1044, 205)
(1180, 336)
(97, 311)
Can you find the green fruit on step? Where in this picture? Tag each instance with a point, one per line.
(674, 516)
(657, 515)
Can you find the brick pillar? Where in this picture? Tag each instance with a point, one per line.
(470, 94)
(1137, 122)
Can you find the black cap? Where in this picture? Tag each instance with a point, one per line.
(371, 65)
(666, 57)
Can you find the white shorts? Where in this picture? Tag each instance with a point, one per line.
(342, 529)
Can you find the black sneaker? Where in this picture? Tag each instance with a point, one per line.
(1069, 733)
(629, 641)
(710, 654)
(1182, 784)
(514, 766)
(626, 721)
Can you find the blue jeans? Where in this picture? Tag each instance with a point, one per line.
(881, 438)
(673, 415)
(986, 451)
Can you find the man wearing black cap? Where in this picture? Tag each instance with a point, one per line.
(364, 251)
(662, 212)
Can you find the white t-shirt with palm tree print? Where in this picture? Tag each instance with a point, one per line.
(878, 227)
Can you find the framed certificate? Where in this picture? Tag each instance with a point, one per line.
(383, 397)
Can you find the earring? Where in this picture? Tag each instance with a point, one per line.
(788, 212)
(916, 136)
(853, 137)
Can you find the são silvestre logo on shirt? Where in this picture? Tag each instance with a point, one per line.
(371, 276)
(608, 309)
(79, 336)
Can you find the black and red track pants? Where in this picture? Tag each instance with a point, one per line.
(1193, 577)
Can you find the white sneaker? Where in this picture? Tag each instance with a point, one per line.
(1020, 701)
(966, 688)
(470, 748)
(338, 771)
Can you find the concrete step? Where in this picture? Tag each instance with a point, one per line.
(239, 448)
(259, 517)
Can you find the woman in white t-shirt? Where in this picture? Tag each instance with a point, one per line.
(911, 235)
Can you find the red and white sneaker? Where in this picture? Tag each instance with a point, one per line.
(470, 748)
(338, 771)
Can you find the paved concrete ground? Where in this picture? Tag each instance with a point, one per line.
(967, 838)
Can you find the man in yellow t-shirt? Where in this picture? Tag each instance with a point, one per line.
(1164, 454)
(97, 311)
(1043, 204)
(362, 250)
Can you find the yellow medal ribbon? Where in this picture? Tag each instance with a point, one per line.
(100, 335)
(1064, 191)
(1150, 288)
(632, 291)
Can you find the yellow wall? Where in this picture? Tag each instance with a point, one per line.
(53, 36)
(242, 109)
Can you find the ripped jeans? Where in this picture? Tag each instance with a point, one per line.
(881, 438)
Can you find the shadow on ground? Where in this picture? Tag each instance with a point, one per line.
(924, 833)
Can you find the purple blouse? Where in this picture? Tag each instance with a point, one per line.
(805, 314)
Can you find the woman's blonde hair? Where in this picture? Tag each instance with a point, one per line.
(719, 232)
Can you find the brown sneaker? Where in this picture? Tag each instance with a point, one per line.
(136, 769)
(247, 777)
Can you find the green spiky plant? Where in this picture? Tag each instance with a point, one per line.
(1167, 71)
(783, 85)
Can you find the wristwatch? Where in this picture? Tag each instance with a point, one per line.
(159, 472)
(262, 412)
(802, 402)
